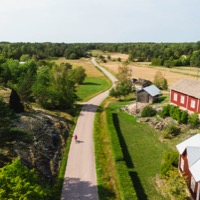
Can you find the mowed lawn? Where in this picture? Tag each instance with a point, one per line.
(143, 151)
(91, 87)
(95, 81)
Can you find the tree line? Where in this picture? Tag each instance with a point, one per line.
(162, 54)
(51, 85)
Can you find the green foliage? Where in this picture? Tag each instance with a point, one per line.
(54, 87)
(125, 184)
(116, 148)
(127, 190)
(184, 117)
(18, 182)
(170, 162)
(6, 116)
(165, 111)
(124, 85)
(78, 74)
(148, 111)
(160, 81)
(156, 62)
(193, 119)
(24, 57)
(171, 130)
(176, 185)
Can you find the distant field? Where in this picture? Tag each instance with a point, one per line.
(144, 70)
(91, 71)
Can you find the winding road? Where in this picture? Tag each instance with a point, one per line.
(80, 181)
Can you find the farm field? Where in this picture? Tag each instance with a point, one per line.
(145, 71)
(94, 83)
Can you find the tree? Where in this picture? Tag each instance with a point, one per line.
(124, 85)
(6, 116)
(193, 119)
(78, 74)
(18, 182)
(160, 81)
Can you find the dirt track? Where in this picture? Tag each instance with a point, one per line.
(80, 182)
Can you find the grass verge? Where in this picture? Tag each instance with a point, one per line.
(91, 87)
(105, 166)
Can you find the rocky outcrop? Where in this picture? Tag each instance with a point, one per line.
(45, 141)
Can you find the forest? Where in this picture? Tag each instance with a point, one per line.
(161, 54)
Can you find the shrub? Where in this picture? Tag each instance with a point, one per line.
(170, 162)
(148, 111)
(193, 119)
(165, 111)
(176, 185)
(172, 111)
(172, 130)
(184, 117)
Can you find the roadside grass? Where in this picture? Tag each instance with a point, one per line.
(105, 166)
(91, 87)
(143, 152)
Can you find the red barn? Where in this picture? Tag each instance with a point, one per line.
(189, 163)
(186, 94)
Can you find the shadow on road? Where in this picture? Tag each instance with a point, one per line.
(75, 189)
(90, 108)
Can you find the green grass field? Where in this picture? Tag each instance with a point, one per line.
(91, 87)
(143, 152)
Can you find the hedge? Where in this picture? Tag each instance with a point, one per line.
(127, 190)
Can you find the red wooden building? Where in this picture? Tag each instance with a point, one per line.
(189, 163)
(186, 94)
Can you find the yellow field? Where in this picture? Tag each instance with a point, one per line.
(145, 71)
(91, 71)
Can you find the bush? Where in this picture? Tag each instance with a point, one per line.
(126, 188)
(148, 111)
(172, 130)
(184, 117)
(170, 162)
(125, 183)
(176, 185)
(193, 119)
(165, 111)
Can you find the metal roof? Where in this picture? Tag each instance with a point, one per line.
(193, 155)
(192, 145)
(193, 141)
(194, 169)
(152, 90)
(187, 86)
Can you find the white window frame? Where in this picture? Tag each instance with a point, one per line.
(182, 99)
(182, 164)
(192, 103)
(175, 96)
(192, 184)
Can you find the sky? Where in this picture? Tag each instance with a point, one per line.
(88, 21)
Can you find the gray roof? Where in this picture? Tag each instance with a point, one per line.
(193, 154)
(152, 90)
(187, 86)
(193, 141)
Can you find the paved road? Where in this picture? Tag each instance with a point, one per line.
(80, 181)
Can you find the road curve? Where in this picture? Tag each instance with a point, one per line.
(80, 181)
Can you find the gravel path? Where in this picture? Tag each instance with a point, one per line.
(80, 181)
